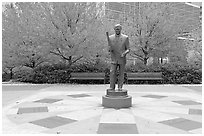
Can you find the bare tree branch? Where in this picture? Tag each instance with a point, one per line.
(145, 51)
(4, 71)
(133, 54)
(39, 63)
(51, 18)
(153, 28)
(28, 65)
(78, 16)
(77, 59)
(58, 54)
(81, 41)
(165, 40)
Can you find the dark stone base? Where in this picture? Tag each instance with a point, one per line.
(117, 99)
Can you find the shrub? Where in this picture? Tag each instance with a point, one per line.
(45, 74)
(5, 77)
(140, 67)
(181, 74)
(23, 75)
(56, 76)
(173, 73)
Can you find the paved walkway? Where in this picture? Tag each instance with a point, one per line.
(77, 109)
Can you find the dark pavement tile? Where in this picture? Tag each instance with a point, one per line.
(108, 128)
(79, 95)
(183, 124)
(32, 110)
(48, 100)
(195, 111)
(187, 102)
(154, 96)
(53, 122)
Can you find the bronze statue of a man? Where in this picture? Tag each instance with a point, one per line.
(118, 48)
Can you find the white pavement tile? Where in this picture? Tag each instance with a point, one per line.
(91, 99)
(126, 110)
(82, 114)
(169, 110)
(191, 96)
(57, 97)
(31, 128)
(175, 98)
(139, 100)
(160, 103)
(39, 96)
(31, 104)
(11, 111)
(73, 101)
(137, 94)
(173, 93)
(56, 108)
(26, 128)
(117, 117)
(152, 115)
(7, 125)
(108, 110)
(196, 131)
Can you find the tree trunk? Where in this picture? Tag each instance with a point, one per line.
(145, 57)
(145, 61)
(146, 53)
(70, 61)
(11, 72)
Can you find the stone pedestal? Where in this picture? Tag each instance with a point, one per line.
(116, 99)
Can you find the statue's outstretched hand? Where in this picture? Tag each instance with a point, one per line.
(123, 55)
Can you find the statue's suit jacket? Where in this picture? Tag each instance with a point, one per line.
(118, 45)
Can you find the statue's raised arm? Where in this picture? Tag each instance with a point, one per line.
(107, 35)
(109, 46)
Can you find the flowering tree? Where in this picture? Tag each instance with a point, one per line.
(69, 29)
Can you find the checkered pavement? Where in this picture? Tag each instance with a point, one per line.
(80, 112)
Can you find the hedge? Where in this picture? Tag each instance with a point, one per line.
(174, 73)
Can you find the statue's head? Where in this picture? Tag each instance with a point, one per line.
(117, 29)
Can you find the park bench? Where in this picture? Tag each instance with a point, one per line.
(88, 76)
(145, 76)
